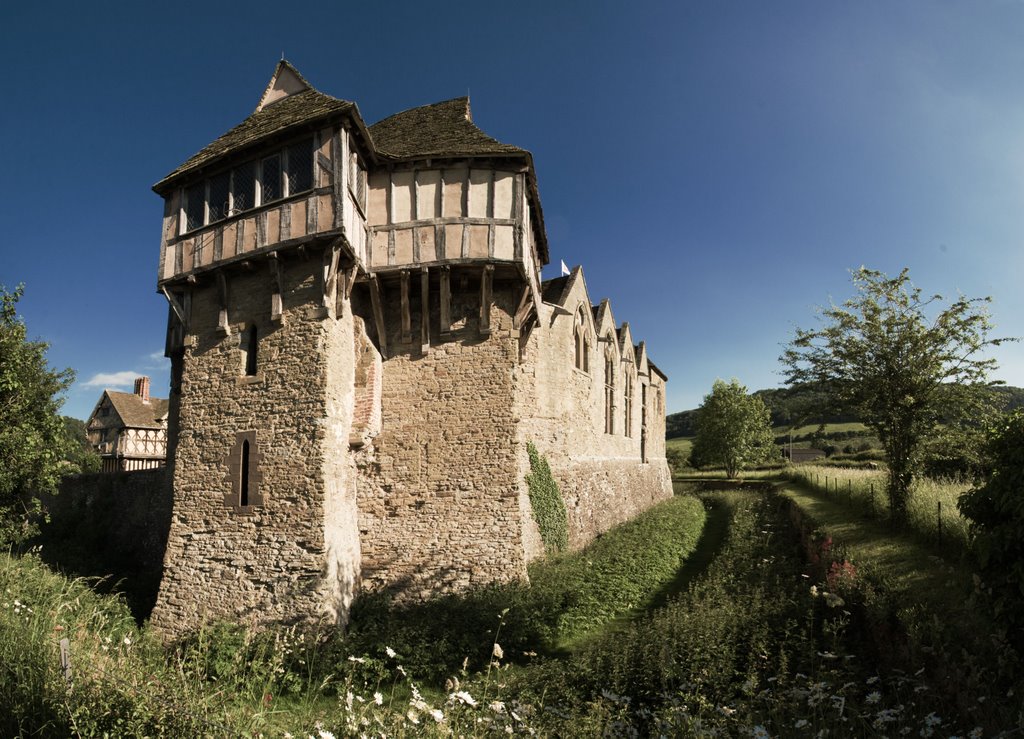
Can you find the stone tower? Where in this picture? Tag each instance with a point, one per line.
(361, 349)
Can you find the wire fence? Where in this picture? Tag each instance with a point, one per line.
(931, 510)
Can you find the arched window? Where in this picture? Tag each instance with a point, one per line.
(609, 392)
(628, 398)
(244, 477)
(580, 340)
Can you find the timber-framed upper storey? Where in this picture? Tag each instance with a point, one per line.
(421, 189)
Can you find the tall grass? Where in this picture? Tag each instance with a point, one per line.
(932, 511)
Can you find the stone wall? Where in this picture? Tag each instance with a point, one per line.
(273, 556)
(111, 525)
(439, 492)
(602, 476)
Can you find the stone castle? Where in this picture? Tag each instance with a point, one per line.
(361, 349)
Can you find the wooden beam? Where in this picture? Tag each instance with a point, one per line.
(406, 336)
(277, 285)
(349, 279)
(525, 306)
(424, 310)
(329, 275)
(177, 307)
(339, 161)
(377, 300)
(486, 278)
(446, 301)
(222, 293)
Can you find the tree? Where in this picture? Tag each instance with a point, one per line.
(902, 372)
(33, 440)
(81, 456)
(997, 521)
(733, 429)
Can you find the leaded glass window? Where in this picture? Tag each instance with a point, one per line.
(219, 187)
(243, 187)
(270, 179)
(195, 206)
(300, 167)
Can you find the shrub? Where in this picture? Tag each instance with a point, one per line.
(996, 517)
(546, 502)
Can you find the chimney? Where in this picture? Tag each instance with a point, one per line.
(142, 388)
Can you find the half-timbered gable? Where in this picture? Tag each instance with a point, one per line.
(129, 430)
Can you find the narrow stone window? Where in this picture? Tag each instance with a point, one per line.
(244, 476)
(643, 423)
(250, 349)
(628, 400)
(609, 393)
(582, 347)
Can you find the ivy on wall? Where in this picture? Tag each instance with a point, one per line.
(546, 501)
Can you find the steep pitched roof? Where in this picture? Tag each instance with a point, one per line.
(289, 102)
(552, 290)
(135, 413)
(442, 129)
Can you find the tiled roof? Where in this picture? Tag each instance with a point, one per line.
(291, 112)
(439, 130)
(137, 414)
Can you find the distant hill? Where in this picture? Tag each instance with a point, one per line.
(792, 406)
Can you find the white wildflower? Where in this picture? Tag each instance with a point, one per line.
(932, 720)
(833, 601)
(414, 718)
(761, 733)
(975, 733)
(127, 640)
(378, 699)
(390, 652)
(872, 698)
(497, 706)
(324, 734)
(872, 680)
(497, 652)
(464, 697)
(360, 660)
(437, 715)
(726, 711)
(801, 723)
(814, 591)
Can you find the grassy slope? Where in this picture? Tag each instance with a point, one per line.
(932, 599)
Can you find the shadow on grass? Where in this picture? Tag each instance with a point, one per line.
(716, 526)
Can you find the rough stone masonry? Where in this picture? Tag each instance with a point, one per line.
(362, 347)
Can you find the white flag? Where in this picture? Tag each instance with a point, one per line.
(565, 269)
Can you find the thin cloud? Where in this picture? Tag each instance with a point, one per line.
(123, 379)
(156, 360)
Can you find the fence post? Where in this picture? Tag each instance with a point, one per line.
(65, 661)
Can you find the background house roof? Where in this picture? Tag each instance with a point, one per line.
(135, 413)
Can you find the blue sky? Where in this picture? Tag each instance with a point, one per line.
(715, 166)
